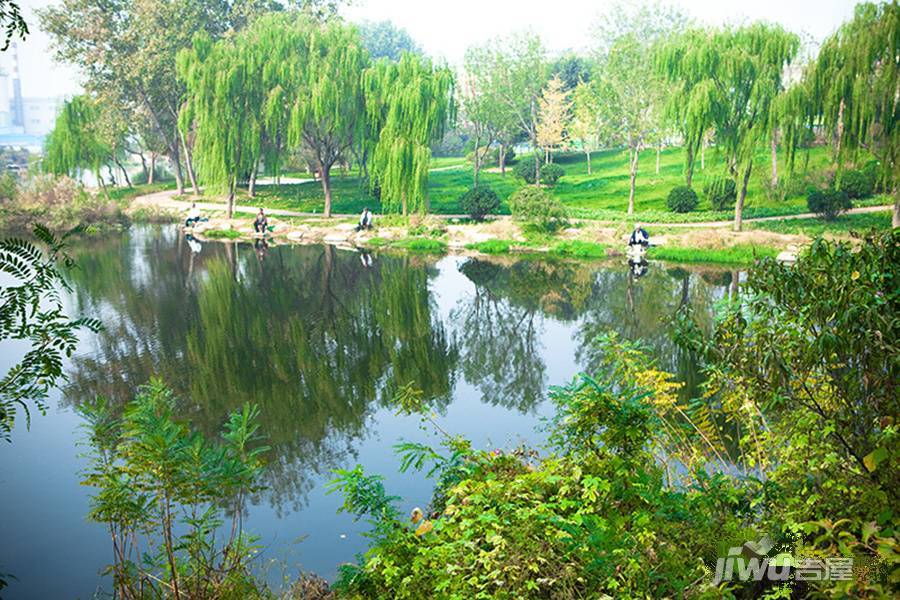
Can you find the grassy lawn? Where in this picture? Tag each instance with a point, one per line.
(813, 227)
(738, 255)
(602, 195)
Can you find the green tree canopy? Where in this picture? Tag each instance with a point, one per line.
(383, 39)
(409, 103)
(855, 88)
(75, 143)
(328, 115)
(729, 78)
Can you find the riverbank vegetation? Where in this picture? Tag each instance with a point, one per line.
(644, 492)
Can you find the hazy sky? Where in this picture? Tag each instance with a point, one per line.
(446, 27)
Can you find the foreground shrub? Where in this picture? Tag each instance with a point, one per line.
(479, 202)
(534, 205)
(682, 199)
(173, 500)
(857, 183)
(828, 203)
(721, 192)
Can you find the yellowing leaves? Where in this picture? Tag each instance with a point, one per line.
(425, 527)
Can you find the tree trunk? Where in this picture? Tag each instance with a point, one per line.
(325, 175)
(476, 165)
(144, 166)
(895, 219)
(774, 161)
(634, 165)
(502, 159)
(124, 172)
(658, 151)
(251, 186)
(152, 176)
(742, 194)
(587, 156)
(703, 153)
(189, 164)
(689, 167)
(175, 159)
(231, 196)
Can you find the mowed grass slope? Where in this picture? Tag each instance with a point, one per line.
(602, 194)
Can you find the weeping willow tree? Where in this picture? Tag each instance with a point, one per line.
(74, 144)
(224, 104)
(409, 103)
(855, 89)
(328, 116)
(730, 79)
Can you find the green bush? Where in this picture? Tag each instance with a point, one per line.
(828, 203)
(857, 183)
(525, 168)
(534, 205)
(479, 202)
(551, 173)
(721, 192)
(682, 199)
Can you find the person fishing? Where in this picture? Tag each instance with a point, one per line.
(639, 237)
(193, 215)
(365, 220)
(261, 224)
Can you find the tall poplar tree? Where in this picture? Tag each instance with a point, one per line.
(855, 89)
(409, 104)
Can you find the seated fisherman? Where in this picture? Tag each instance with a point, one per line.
(193, 215)
(365, 220)
(639, 237)
(261, 223)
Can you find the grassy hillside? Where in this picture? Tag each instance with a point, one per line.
(601, 195)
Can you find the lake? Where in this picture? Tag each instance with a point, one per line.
(320, 338)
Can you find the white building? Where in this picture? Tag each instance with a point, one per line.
(24, 121)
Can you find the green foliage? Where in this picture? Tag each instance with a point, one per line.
(551, 173)
(418, 244)
(721, 192)
(525, 168)
(31, 310)
(741, 254)
(383, 39)
(75, 144)
(172, 500)
(579, 249)
(409, 104)
(682, 199)
(793, 436)
(491, 246)
(828, 203)
(857, 183)
(728, 80)
(222, 234)
(854, 87)
(535, 206)
(479, 202)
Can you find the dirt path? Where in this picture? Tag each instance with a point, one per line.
(166, 200)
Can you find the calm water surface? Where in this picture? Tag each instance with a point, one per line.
(319, 338)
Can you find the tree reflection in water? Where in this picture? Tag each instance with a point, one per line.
(321, 339)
